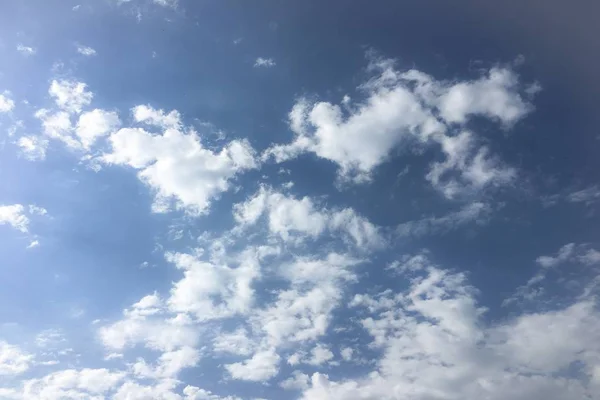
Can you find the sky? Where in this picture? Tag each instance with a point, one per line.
(303, 200)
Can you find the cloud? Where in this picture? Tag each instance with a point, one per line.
(435, 343)
(320, 355)
(13, 360)
(477, 212)
(261, 367)
(26, 50)
(151, 116)
(400, 111)
(177, 165)
(6, 103)
(70, 95)
(295, 219)
(14, 215)
(86, 51)
(72, 384)
(33, 148)
(95, 124)
(298, 381)
(588, 195)
(264, 63)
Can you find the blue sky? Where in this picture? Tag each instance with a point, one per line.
(225, 200)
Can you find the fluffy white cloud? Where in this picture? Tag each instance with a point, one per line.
(347, 353)
(6, 103)
(570, 252)
(261, 367)
(214, 290)
(298, 381)
(32, 147)
(436, 345)
(95, 124)
(86, 51)
(13, 360)
(70, 95)
(236, 342)
(85, 383)
(14, 215)
(168, 365)
(400, 110)
(176, 164)
(294, 219)
(467, 167)
(26, 50)
(148, 115)
(264, 62)
(320, 355)
(302, 313)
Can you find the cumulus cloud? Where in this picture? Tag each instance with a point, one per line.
(264, 63)
(26, 50)
(6, 103)
(184, 173)
(86, 51)
(401, 110)
(261, 367)
(435, 343)
(13, 360)
(70, 95)
(95, 124)
(33, 148)
(15, 216)
(295, 219)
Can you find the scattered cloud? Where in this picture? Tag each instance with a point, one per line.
(6, 103)
(400, 111)
(13, 360)
(26, 50)
(264, 62)
(70, 95)
(86, 51)
(15, 216)
(33, 148)
(476, 212)
(185, 174)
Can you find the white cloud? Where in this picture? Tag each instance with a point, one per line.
(195, 393)
(57, 126)
(320, 355)
(14, 215)
(95, 124)
(26, 50)
(303, 312)
(298, 381)
(214, 290)
(477, 212)
(467, 167)
(13, 360)
(294, 219)
(264, 62)
(347, 353)
(587, 195)
(72, 384)
(261, 367)
(86, 51)
(151, 116)
(399, 111)
(168, 365)
(6, 103)
(236, 342)
(178, 167)
(33, 244)
(70, 95)
(50, 338)
(33, 148)
(435, 343)
(564, 254)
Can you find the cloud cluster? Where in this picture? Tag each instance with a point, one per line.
(406, 110)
